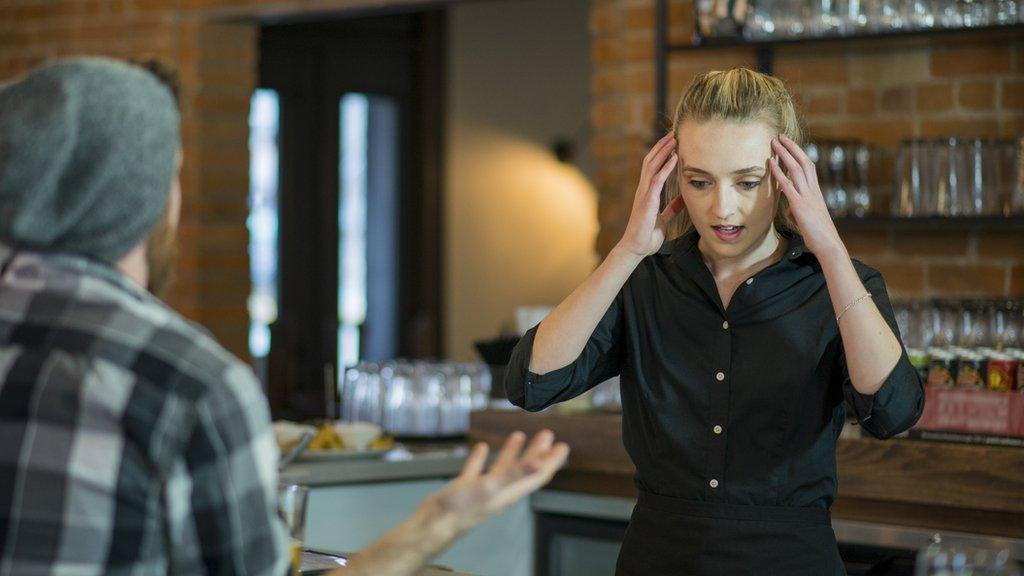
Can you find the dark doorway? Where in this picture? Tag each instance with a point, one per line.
(359, 200)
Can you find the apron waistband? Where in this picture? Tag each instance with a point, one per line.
(723, 510)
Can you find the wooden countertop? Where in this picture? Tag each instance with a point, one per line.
(945, 486)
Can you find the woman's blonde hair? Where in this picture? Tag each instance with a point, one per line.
(737, 95)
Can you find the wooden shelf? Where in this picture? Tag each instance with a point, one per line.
(988, 32)
(937, 223)
(765, 49)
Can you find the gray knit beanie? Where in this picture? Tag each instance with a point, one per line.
(87, 152)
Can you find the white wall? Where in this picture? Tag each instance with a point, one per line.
(520, 226)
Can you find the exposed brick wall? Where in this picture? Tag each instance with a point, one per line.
(870, 91)
(877, 92)
(213, 43)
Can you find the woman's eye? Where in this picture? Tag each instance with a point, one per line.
(750, 185)
(699, 184)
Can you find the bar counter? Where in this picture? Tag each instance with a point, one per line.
(912, 483)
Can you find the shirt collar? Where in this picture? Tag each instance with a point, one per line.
(74, 263)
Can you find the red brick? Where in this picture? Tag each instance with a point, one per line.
(898, 100)
(825, 104)
(860, 102)
(930, 243)
(967, 280)
(959, 127)
(607, 51)
(865, 244)
(1008, 245)
(1013, 94)
(936, 97)
(1017, 281)
(977, 94)
(903, 279)
(640, 81)
(639, 49)
(640, 17)
(1011, 126)
(605, 82)
(806, 68)
(605, 20)
(886, 133)
(607, 114)
(971, 59)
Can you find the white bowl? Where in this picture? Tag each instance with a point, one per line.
(358, 435)
(288, 433)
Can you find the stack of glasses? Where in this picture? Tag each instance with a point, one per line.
(415, 399)
(959, 177)
(780, 19)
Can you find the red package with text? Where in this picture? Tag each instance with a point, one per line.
(973, 411)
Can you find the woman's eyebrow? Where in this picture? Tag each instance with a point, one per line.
(747, 170)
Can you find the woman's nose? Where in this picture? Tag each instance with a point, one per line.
(725, 203)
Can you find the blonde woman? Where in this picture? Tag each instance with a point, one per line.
(741, 342)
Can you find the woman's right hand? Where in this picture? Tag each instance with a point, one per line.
(647, 228)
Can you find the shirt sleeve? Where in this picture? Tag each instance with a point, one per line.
(599, 361)
(231, 459)
(897, 405)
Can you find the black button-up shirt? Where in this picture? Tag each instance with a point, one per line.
(741, 404)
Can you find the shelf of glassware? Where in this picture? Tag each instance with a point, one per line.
(989, 32)
(931, 223)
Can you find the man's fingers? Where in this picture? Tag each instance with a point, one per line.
(538, 471)
(475, 462)
(540, 443)
(509, 451)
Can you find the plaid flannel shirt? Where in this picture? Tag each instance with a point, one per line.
(130, 441)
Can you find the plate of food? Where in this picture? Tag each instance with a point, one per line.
(347, 440)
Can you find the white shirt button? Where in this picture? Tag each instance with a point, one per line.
(725, 325)
(750, 281)
(713, 483)
(720, 376)
(717, 429)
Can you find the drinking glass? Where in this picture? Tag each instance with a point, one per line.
(291, 500)
(950, 559)
(912, 178)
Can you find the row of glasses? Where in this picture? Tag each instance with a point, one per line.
(780, 19)
(415, 398)
(995, 324)
(958, 177)
(842, 167)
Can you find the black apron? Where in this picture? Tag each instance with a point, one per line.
(674, 536)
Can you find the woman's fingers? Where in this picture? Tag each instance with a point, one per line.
(674, 207)
(658, 146)
(796, 171)
(666, 151)
(784, 182)
(801, 157)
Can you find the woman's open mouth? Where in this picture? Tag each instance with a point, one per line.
(728, 233)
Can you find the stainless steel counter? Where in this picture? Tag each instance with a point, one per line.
(412, 462)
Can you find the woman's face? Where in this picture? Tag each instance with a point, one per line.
(725, 184)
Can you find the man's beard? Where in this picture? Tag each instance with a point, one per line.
(161, 256)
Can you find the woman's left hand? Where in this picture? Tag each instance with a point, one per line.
(807, 206)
